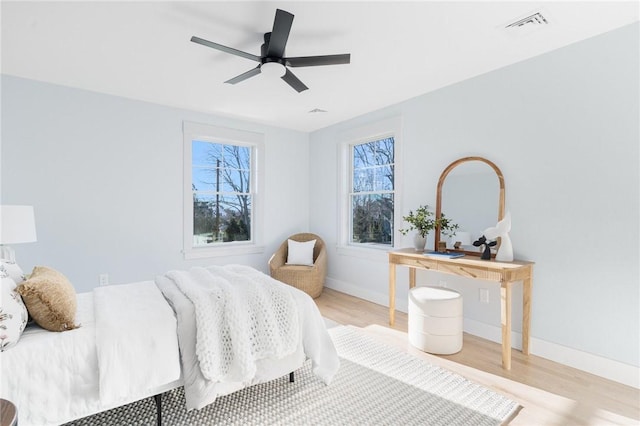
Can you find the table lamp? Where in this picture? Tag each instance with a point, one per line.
(17, 225)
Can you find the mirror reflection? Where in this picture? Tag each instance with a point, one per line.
(471, 194)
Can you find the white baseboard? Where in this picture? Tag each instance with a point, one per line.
(604, 367)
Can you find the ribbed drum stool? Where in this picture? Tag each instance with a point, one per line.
(435, 320)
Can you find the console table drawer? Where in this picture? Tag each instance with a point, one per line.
(475, 272)
(422, 263)
(465, 267)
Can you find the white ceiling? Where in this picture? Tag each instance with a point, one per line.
(141, 50)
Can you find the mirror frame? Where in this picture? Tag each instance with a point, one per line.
(444, 174)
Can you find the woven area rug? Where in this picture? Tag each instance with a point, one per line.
(376, 385)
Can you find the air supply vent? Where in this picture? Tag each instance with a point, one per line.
(534, 20)
(316, 110)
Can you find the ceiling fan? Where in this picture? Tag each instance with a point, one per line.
(272, 60)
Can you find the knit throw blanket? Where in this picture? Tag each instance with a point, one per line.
(242, 316)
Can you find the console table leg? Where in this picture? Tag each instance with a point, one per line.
(392, 293)
(412, 278)
(505, 321)
(526, 314)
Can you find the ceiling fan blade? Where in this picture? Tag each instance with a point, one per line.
(244, 76)
(279, 34)
(225, 48)
(294, 82)
(312, 61)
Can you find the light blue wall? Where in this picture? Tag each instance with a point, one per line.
(104, 175)
(564, 129)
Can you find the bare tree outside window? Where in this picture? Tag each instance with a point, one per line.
(221, 179)
(372, 192)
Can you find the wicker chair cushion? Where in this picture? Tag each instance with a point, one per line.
(300, 253)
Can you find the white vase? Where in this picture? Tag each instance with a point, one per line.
(502, 228)
(505, 251)
(419, 242)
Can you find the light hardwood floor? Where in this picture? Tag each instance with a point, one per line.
(550, 393)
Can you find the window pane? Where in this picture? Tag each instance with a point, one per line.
(373, 153)
(364, 155)
(384, 178)
(220, 218)
(236, 217)
(363, 180)
(372, 218)
(205, 153)
(384, 151)
(235, 180)
(237, 157)
(204, 220)
(203, 179)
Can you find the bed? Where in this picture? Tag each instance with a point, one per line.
(141, 339)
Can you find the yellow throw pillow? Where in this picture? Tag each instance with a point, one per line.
(50, 299)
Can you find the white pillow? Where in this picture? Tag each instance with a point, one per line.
(13, 317)
(300, 253)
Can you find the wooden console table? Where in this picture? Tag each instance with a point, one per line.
(506, 273)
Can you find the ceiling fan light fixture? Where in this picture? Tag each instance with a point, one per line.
(273, 69)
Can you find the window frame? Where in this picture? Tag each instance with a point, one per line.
(391, 127)
(223, 135)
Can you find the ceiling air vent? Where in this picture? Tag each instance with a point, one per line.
(527, 24)
(316, 110)
(530, 21)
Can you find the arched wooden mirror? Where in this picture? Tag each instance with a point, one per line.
(471, 194)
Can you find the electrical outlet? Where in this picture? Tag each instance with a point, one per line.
(484, 295)
(442, 283)
(104, 279)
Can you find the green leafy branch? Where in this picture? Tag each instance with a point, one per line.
(424, 221)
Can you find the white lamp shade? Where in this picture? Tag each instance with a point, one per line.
(17, 224)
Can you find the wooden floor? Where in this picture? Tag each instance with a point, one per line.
(550, 393)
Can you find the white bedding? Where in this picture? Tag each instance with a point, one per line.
(314, 343)
(241, 317)
(53, 377)
(136, 340)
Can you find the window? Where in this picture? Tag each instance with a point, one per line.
(372, 190)
(221, 191)
(369, 164)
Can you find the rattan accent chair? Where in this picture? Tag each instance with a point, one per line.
(309, 279)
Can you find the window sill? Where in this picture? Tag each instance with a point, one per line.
(232, 250)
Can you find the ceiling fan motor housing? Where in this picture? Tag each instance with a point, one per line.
(272, 53)
(263, 52)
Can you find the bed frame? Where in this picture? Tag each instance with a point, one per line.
(158, 400)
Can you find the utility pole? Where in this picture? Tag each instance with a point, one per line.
(217, 199)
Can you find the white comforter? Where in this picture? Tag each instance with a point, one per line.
(136, 340)
(53, 377)
(313, 341)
